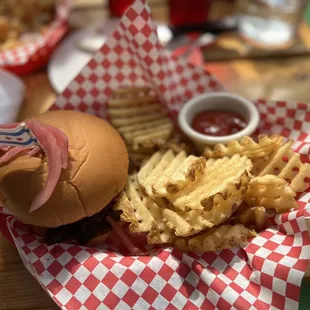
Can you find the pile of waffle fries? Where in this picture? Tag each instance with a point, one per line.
(20, 20)
(144, 123)
(200, 203)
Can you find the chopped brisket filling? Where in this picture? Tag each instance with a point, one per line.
(83, 230)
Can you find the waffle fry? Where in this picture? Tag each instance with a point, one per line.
(189, 171)
(149, 166)
(123, 97)
(188, 223)
(171, 172)
(287, 165)
(131, 92)
(206, 205)
(271, 192)
(222, 178)
(154, 139)
(147, 177)
(141, 120)
(134, 210)
(159, 188)
(143, 214)
(266, 164)
(131, 131)
(223, 237)
(247, 147)
(118, 122)
(131, 111)
(160, 233)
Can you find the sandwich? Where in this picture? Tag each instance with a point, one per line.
(66, 186)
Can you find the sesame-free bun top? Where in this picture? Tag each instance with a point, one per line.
(96, 173)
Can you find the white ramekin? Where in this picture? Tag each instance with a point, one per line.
(217, 101)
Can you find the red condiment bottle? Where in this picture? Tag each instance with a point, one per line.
(188, 11)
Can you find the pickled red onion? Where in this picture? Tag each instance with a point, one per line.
(53, 155)
(4, 148)
(34, 151)
(11, 153)
(63, 143)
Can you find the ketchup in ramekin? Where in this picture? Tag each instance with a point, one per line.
(218, 117)
(218, 123)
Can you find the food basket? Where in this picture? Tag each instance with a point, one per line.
(34, 55)
(266, 273)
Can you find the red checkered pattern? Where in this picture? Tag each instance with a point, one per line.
(134, 55)
(35, 54)
(265, 274)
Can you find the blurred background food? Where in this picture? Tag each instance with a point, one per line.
(20, 20)
(209, 31)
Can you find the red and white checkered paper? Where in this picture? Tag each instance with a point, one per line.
(265, 274)
(35, 54)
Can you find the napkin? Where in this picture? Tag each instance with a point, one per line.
(12, 91)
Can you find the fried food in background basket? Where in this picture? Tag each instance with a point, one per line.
(22, 20)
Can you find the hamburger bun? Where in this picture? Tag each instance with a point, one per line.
(96, 173)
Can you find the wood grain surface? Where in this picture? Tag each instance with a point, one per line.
(275, 79)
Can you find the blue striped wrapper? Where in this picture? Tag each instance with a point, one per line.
(19, 136)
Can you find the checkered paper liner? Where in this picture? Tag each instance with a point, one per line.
(264, 274)
(35, 54)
